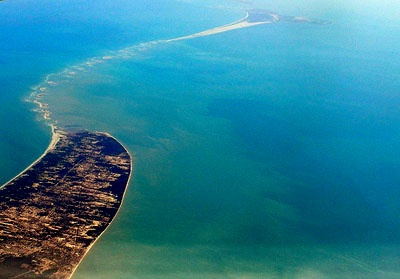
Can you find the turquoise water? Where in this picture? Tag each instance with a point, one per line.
(267, 152)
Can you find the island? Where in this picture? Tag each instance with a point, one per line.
(54, 211)
(253, 17)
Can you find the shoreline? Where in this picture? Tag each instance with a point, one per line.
(118, 211)
(58, 135)
(55, 137)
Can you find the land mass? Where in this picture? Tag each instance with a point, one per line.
(54, 211)
(253, 17)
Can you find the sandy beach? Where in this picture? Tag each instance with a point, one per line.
(217, 30)
(94, 158)
(56, 135)
(242, 23)
(118, 211)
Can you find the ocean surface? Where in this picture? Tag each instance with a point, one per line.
(265, 152)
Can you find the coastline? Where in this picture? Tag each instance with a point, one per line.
(118, 211)
(55, 137)
(58, 135)
(56, 132)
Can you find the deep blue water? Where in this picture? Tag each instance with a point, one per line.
(267, 152)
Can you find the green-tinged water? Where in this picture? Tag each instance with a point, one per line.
(266, 152)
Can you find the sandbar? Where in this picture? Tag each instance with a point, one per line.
(55, 210)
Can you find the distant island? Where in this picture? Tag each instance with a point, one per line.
(55, 210)
(265, 16)
(253, 17)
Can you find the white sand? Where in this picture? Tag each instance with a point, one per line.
(235, 25)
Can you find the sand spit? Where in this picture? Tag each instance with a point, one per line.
(64, 202)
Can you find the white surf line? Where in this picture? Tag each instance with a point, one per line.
(60, 78)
